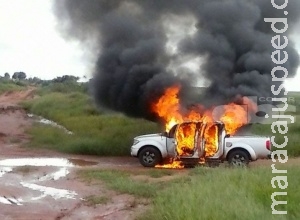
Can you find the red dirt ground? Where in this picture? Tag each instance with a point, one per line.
(50, 192)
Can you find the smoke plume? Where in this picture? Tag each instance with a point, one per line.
(130, 39)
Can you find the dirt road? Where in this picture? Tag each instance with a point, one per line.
(41, 184)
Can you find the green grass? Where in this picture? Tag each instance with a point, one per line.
(120, 181)
(107, 134)
(224, 194)
(62, 87)
(94, 132)
(59, 106)
(206, 193)
(9, 85)
(158, 173)
(293, 146)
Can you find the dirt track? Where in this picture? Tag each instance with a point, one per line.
(42, 184)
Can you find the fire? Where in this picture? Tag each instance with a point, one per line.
(186, 139)
(211, 137)
(235, 116)
(232, 115)
(168, 106)
(173, 164)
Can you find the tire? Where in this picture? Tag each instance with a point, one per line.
(238, 158)
(150, 157)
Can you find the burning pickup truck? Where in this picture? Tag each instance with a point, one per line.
(190, 143)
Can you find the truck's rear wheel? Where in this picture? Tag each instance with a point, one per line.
(149, 157)
(238, 158)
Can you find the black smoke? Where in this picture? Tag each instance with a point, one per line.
(129, 39)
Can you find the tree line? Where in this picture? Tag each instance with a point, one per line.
(21, 76)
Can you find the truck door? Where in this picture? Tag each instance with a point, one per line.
(211, 139)
(201, 140)
(213, 133)
(171, 147)
(221, 140)
(170, 142)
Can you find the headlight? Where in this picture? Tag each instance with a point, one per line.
(135, 141)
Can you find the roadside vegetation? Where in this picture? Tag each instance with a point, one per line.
(97, 132)
(94, 131)
(9, 85)
(294, 128)
(204, 193)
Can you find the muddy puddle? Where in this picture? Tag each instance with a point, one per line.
(37, 186)
(40, 162)
(10, 201)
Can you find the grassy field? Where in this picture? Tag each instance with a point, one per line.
(94, 132)
(205, 193)
(99, 133)
(9, 85)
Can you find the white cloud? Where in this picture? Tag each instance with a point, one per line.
(30, 42)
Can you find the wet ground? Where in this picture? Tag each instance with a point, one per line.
(42, 184)
(48, 188)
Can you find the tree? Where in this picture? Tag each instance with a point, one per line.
(66, 78)
(19, 75)
(6, 76)
(35, 80)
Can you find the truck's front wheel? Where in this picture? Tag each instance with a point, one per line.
(149, 157)
(238, 158)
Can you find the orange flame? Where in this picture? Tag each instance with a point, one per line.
(169, 109)
(186, 139)
(211, 137)
(173, 164)
(168, 106)
(232, 115)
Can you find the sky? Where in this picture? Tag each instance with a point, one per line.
(30, 42)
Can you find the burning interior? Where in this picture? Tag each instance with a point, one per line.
(197, 132)
(197, 136)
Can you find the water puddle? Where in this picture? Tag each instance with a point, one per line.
(62, 172)
(10, 201)
(48, 122)
(55, 162)
(16, 162)
(62, 169)
(4, 170)
(50, 191)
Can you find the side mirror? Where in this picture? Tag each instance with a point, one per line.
(227, 135)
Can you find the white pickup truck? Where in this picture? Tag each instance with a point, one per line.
(154, 149)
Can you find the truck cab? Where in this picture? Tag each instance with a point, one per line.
(194, 142)
(191, 141)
